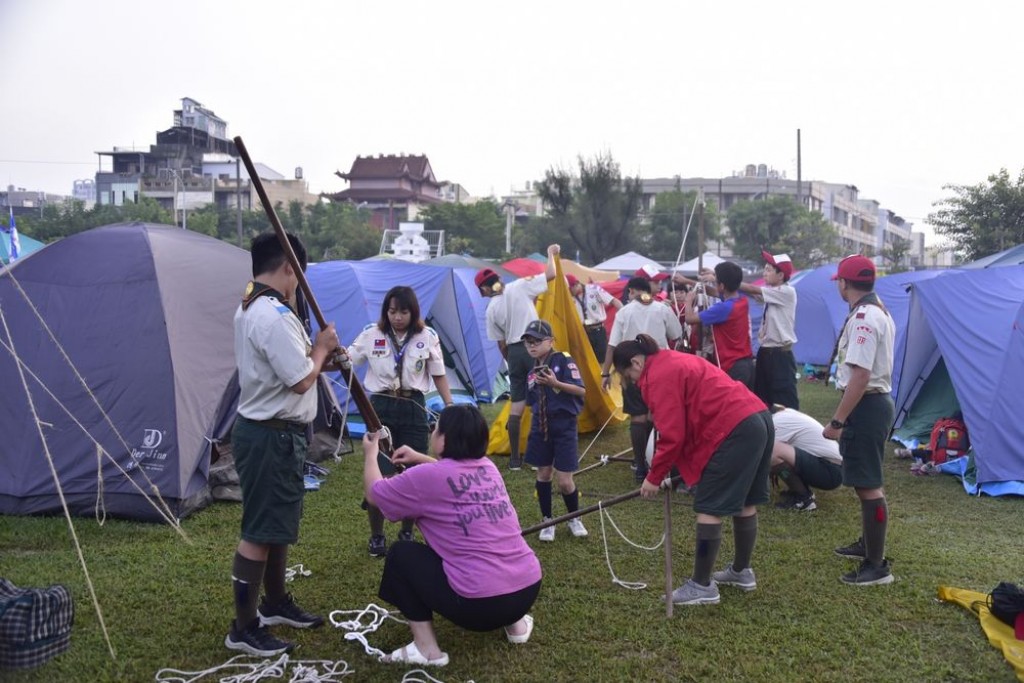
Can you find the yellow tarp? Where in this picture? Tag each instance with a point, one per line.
(1000, 635)
(585, 274)
(558, 308)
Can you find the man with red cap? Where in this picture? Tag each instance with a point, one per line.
(864, 415)
(509, 311)
(775, 368)
(592, 303)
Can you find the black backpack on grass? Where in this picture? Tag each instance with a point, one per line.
(35, 624)
(1006, 602)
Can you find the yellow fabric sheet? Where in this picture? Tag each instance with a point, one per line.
(1000, 635)
(585, 274)
(558, 308)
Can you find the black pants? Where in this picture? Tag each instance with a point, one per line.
(414, 581)
(775, 377)
(598, 337)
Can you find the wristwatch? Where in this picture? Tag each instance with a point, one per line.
(836, 424)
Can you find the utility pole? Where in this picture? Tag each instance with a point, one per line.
(799, 177)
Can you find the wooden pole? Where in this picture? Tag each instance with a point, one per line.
(355, 388)
(592, 508)
(668, 554)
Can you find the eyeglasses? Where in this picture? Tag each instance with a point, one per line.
(533, 341)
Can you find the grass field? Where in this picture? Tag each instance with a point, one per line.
(168, 604)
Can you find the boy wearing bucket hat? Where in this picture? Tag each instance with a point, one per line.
(510, 309)
(864, 415)
(775, 368)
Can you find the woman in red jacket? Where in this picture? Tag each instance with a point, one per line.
(719, 435)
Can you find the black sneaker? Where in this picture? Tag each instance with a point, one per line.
(795, 501)
(639, 475)
(868, 574)
(286, 612)
(405, 535)
(378, 546)
(256, 640)
(854, 551)
(515, 463)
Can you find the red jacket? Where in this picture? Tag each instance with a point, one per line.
(695, 406)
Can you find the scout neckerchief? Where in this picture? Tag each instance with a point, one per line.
(869, 299)
(399, 352)
(254, 290)
(543, 403)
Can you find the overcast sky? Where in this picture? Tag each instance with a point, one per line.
(897, 98)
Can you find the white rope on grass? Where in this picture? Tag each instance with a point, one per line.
(629, 585)
(414, 677)
(357, 630)
(248, 669)
(599, 432)
(295, 570)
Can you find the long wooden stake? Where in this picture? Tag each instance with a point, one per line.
(355, 388)
(591, 508)
(668, 553)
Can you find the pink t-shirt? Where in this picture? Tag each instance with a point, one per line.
(464, 513)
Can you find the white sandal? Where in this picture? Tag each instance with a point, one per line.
(522, 638)
(410, 654)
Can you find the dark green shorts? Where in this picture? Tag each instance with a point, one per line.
(737, 474)
(269, 463)
(818, 472)
(862, 442)
(406, 419)
(519, 365)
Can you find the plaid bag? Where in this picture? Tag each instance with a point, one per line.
(35, 624)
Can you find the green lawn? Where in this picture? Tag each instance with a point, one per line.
(168, 603)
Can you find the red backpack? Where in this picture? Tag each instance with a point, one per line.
(949, 439)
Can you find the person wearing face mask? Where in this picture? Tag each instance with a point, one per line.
(775, 367)
(402, 356)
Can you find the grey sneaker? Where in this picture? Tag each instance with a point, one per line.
(692, 593)
(576, 527)
(868, 574)
(743, 579)
(854, 551)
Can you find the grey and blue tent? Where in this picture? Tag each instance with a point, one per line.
(144, 314)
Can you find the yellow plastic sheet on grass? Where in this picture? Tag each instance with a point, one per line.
(558, 308)
(1000, 635)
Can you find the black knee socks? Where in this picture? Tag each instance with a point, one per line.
(513, 436)
(572, 500)
(246, 577)
(874, 515)
(709, 540)
(639, 432)
(744, 534)
(544, 497)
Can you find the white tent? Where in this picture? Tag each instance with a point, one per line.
(629, 261)
(690, 267)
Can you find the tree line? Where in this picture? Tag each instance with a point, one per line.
(593, 211)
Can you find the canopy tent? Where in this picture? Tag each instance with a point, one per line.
(144, 312)
(691, 268)
(477, 264)
(627, 262)
(972, 322)
(1014, 256)
(524, 267)
(599, 407)
(351, 293)
(26, 246)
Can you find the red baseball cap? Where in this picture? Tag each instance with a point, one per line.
(571, 279)
(483, 276)
(650, 271)
(780, 261)
(856, 268)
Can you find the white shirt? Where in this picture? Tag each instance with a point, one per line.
(594, 309)
(655, 319)
(421, 359)
(510, 312)
(778, 327)
(804, 432)
(272, 353)
(867, 341)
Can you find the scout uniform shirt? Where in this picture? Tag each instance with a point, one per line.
(593, 307)
(419, 356)
(867, 341)
(778, 327)
(652, 318)
(510, 312)
(272, 352)
(548, 401)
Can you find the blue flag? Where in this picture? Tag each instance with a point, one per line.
(15, 242)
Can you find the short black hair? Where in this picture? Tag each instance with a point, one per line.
(268, 254)
(405, 300)
(465, 432)
(729, 275)
(641, 283)
(860, 286)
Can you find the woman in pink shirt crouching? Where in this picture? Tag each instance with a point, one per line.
(475, 569)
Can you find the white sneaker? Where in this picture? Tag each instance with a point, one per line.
(576, 527)
(547, 534)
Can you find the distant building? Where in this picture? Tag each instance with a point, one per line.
(864, 226)
(85, 191)
(26, 201)
(193, 164)
(395, 188)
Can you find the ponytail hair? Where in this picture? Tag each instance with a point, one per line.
(643, 345)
